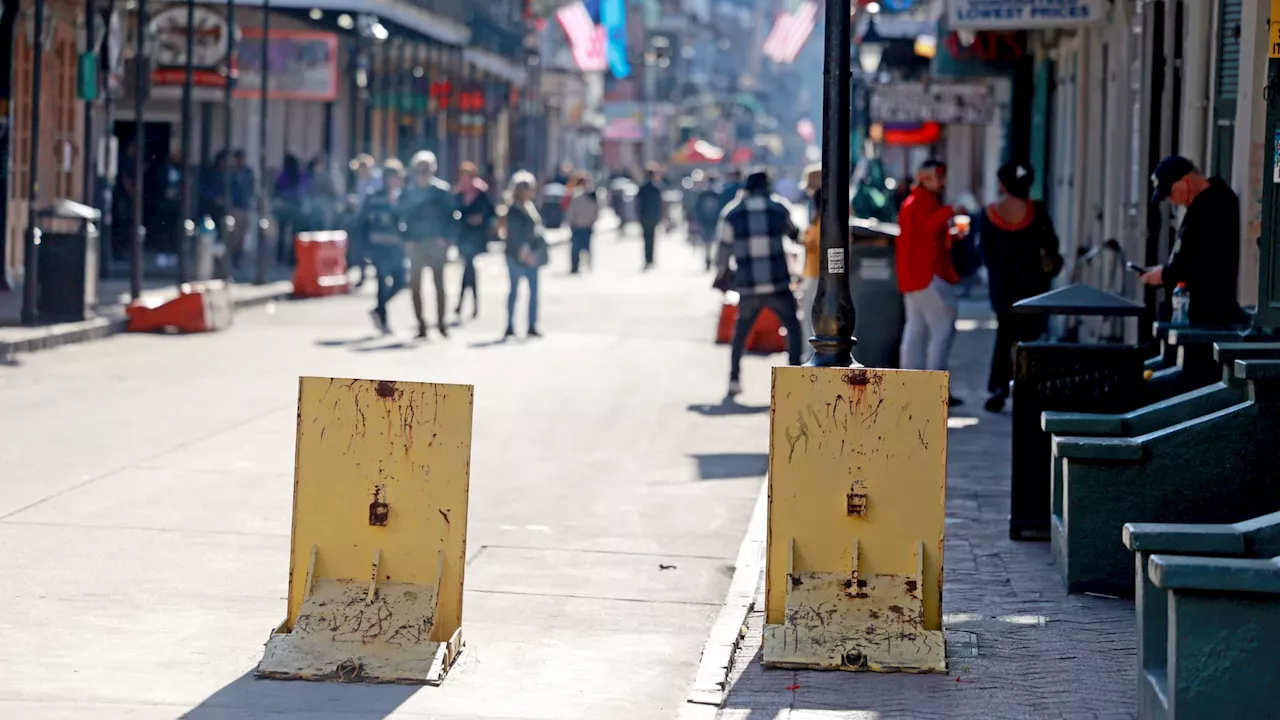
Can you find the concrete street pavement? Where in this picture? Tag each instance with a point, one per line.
(145, 502)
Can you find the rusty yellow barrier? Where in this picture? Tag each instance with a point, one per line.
(857, 491)
(379, 533)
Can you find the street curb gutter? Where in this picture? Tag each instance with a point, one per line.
(717, 655)
(45, 338)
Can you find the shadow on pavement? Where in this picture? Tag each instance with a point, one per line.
(728, 406)
(247, 695)
(732, 466)
(496, 342)
(397, 345)
(344, 342)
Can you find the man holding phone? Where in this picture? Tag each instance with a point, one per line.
(1206, 254)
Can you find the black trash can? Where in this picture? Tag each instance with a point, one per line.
(67, 262)
(1067, 377)
(873, 281)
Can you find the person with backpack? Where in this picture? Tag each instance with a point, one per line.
(1020, 249)
(927, 278)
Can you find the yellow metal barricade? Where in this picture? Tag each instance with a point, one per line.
(857, 491)
(379, 533)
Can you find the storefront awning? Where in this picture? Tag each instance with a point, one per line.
(496, 65)
(401, 13)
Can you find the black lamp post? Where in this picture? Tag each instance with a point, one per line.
(264, 207)
(188, 229)
(141, 89)
(228, 171)
(833, 311)
(31, 240)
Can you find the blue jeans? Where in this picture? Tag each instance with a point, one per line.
(520, 271)
(579, 242)
(389, 260)
(750, 305)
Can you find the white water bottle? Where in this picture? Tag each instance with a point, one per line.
(1181, 306)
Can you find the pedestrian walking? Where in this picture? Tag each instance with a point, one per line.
(751, 232)
(324, 197)
(1206, 256)
(475, 214)
(926, 277)
(707, 209)
(426, 213)
(732, 185)
(213, 187)
(242, 183)
(521, 227)
(1020, 249)
(650, 211)
(291, 191)
(584, 210)
(380, 224)
(367, 181)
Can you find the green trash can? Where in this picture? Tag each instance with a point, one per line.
(873, 280)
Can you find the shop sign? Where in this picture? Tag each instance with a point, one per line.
(210, 43)
(942, 103)
(1023, 14)
(302, 64)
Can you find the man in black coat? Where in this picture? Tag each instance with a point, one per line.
(649, 211)
(1206, 254)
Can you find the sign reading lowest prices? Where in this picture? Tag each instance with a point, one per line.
(942, 103)
(1023, 14)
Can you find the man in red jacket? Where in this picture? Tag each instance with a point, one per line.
(926, 278)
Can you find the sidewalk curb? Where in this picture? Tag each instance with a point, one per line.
(51, 336)
(709, 690)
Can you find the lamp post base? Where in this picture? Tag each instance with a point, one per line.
(832, 352)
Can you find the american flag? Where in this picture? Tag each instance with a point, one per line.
(586, 39)
(790, 32)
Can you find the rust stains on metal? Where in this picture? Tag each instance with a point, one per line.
(379, 510)
(857, 377)
(387, 390)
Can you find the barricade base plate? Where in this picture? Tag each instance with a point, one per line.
(342, 636)
(834, 622)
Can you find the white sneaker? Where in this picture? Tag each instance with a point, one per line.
(735, 388)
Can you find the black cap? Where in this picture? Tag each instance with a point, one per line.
(1169, 171)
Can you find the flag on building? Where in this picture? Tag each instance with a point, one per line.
(790, 32)
(613, 16)
(586, 39)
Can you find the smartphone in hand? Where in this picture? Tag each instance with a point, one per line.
(1135, 267)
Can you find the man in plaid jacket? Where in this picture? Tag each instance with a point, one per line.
(750, 232)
